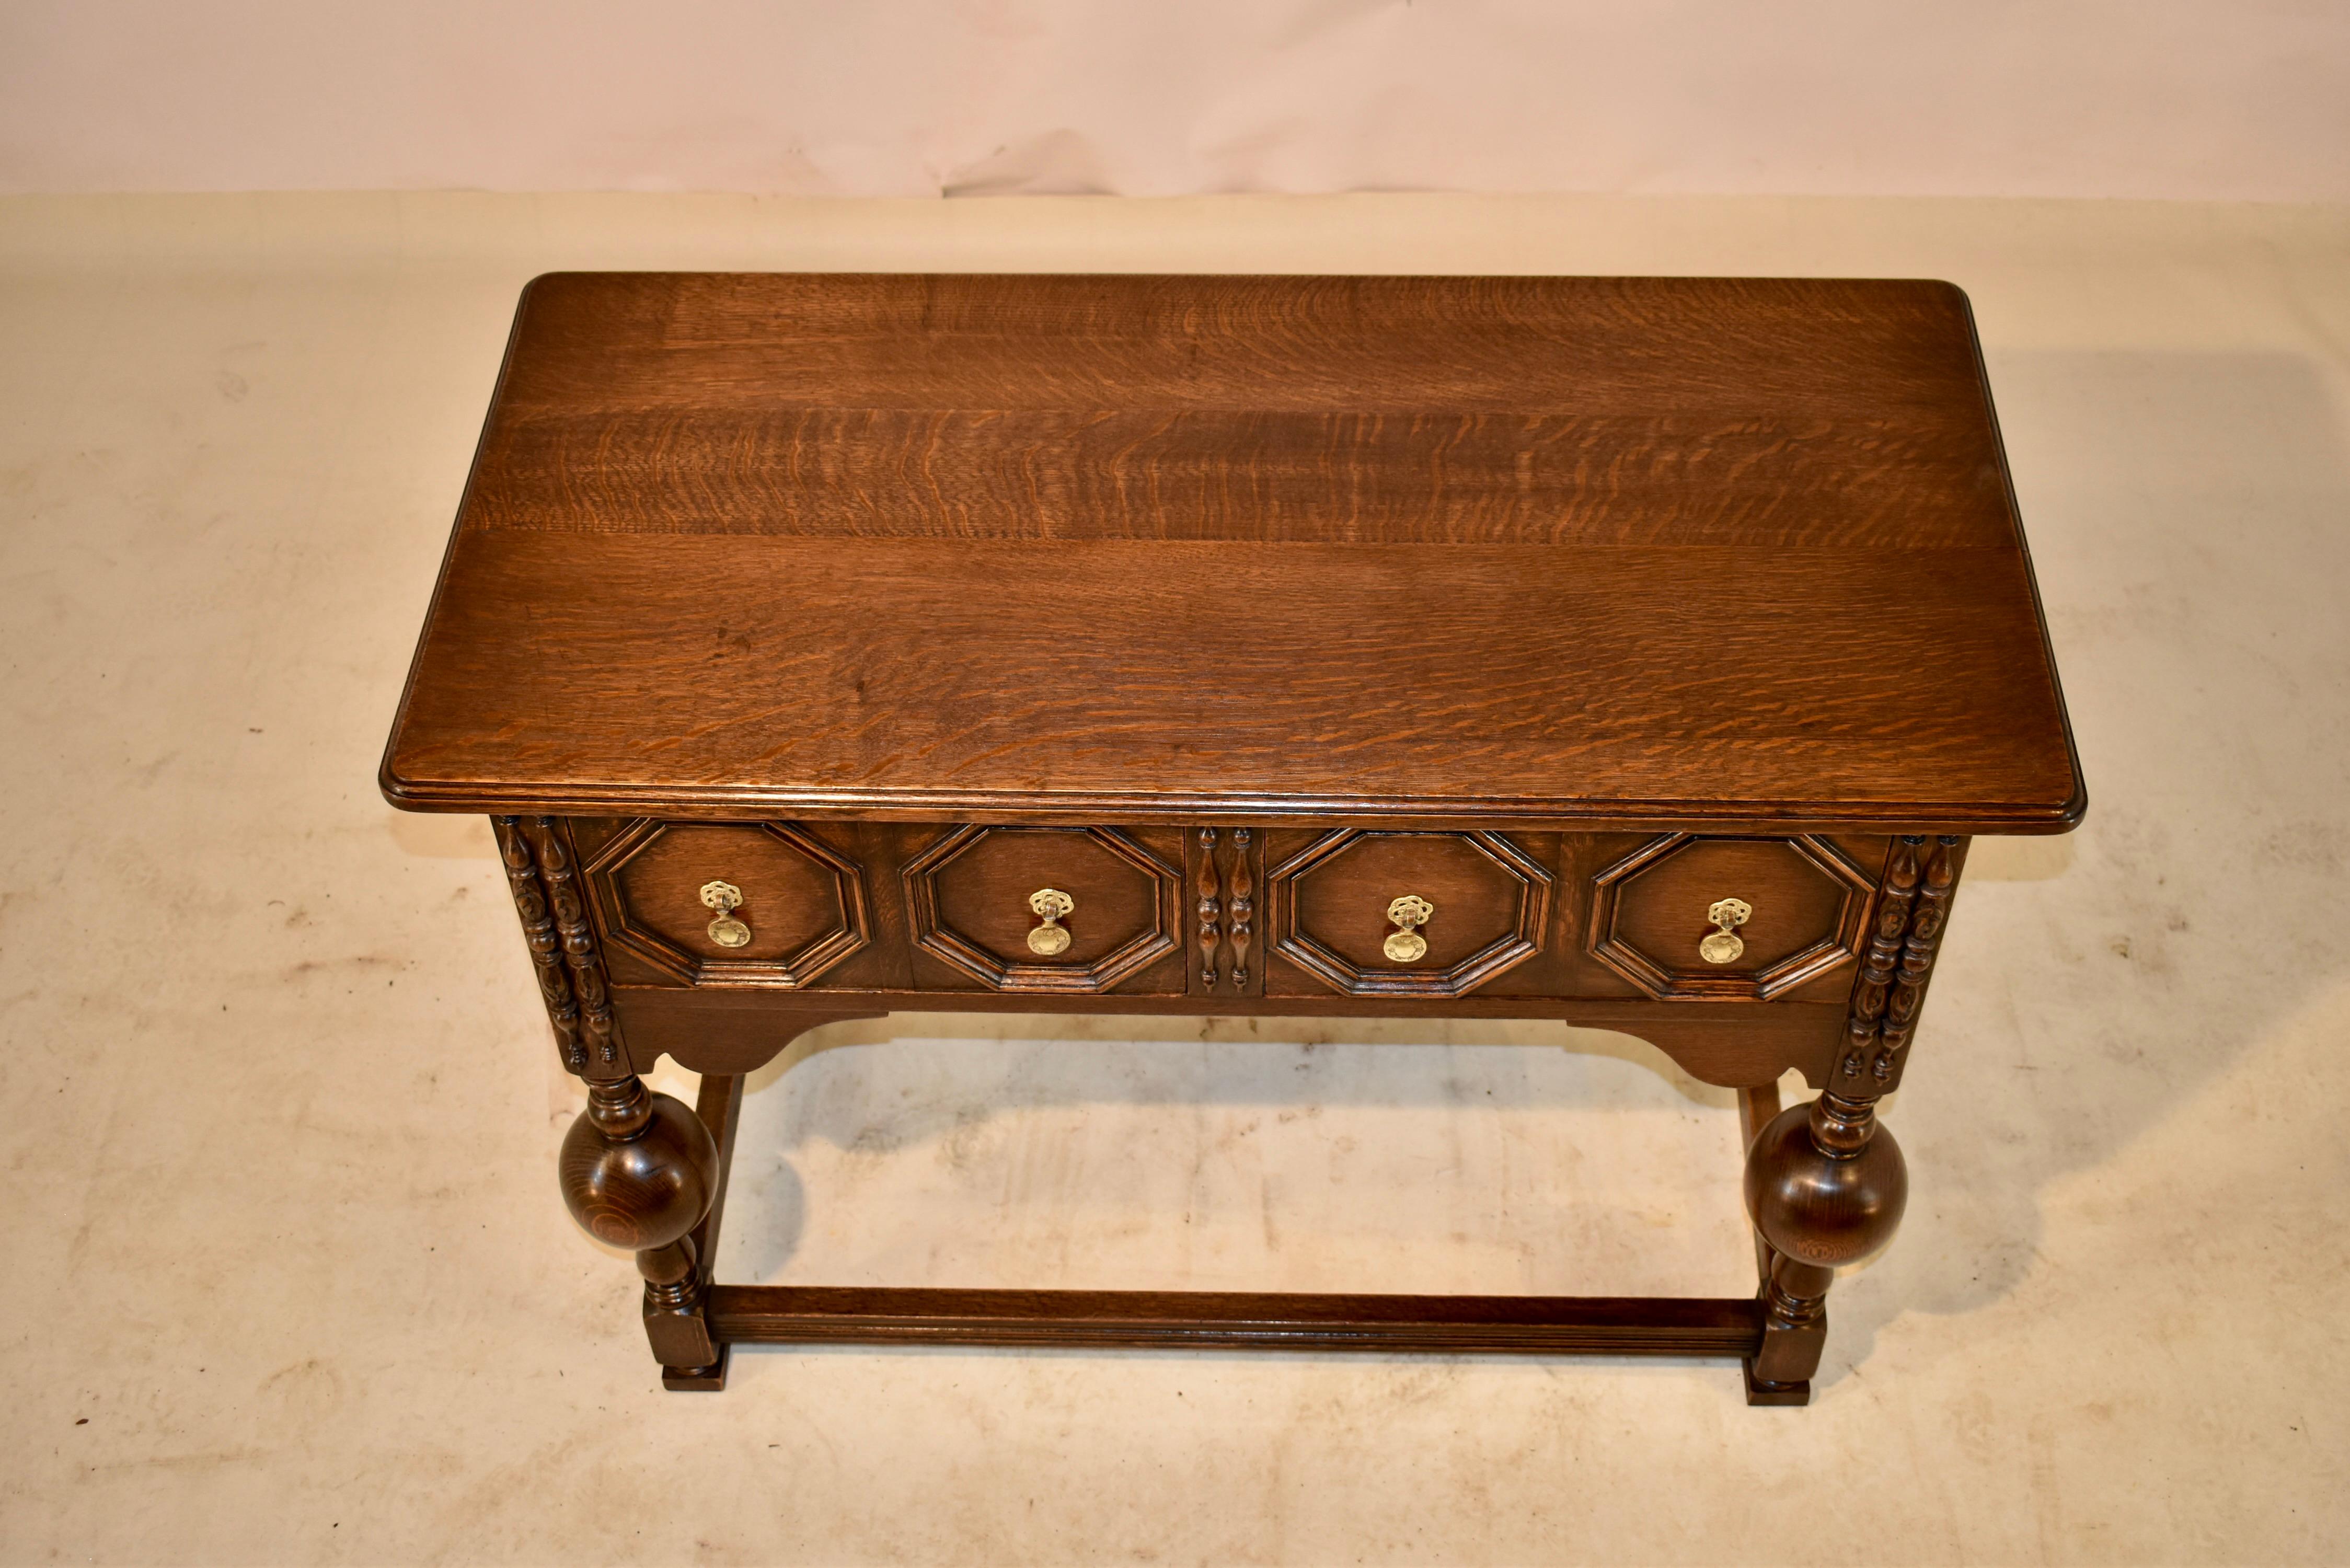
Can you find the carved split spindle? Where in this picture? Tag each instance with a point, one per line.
(1243, 906)
(579, 952)
(539, 930)
(1878, 964)
(1211, 930)
(1926, 920)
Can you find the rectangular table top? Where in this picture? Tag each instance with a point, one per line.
(1453, 551)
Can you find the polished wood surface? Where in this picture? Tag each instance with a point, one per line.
(1796, 906)
(792, 899)
(969, 908)
(1480, 885)
(1804, 906)
(1525, 915)
(1459, 410)
(718, 1103)
(1456, 551)
(1236, 609)
(1226, 1320)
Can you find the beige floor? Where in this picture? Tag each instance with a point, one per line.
(287, 1277)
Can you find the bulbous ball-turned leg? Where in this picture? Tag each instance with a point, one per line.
(639, 1171)
(1825, 1186)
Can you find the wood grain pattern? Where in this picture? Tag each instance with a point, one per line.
(1733, 1046)
(967, 897)
(1210, 908)
(1400, 477)
(718, 1103)
(1826, 1184)
(1570, 604)
(1895, 351)
(1646, 552)
(1809, 906)
(1234, 1320)
(1492, 905)
(663, 905)
(803, 901)
(640, 1170)
(1535, 682)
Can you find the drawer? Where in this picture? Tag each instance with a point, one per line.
(1380, 913)
(1371, 913)
(783, 906)
(1397, 914)
(1051, 910)
(760, 904)
(1726, 918)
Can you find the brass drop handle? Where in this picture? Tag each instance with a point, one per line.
(1723, 945)
(726, 930)
(1407, 915)
(1052, 939)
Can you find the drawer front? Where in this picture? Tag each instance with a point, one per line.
(1378, 913)
(1574, 915)
(758, 904)
(1698, 919)
(1372, 913)
(1050, 909)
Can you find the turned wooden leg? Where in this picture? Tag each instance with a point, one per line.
(639, 1171)
(1824, 1187)
(720, 1107)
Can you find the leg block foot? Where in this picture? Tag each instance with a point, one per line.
(710, 1379)
(1759, 1392)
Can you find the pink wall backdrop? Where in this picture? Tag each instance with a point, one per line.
(2166, 98)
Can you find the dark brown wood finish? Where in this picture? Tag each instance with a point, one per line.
(738, 1031)
(1166, 1320)
(1651, 915)
(970, 897)
(720, 1106)
(1825, 1185)
(802, 908)
(1488, 900)
(1640, 551)
(825, 645)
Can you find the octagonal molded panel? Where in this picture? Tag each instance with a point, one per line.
(1128, 904)
(1649, 913)
(802, 900)
(1329, 902)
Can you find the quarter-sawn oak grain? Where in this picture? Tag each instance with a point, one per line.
(1453, 551)
(1236, 608)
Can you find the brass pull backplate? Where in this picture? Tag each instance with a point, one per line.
(1723, 945)
(726, 930)
(1408, 914)
(1050, 939)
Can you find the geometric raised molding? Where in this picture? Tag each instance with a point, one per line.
(828, 898)
(1521, 882)
(1810, 869)
(1159, 898)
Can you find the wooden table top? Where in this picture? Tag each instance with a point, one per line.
(1452, 551)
